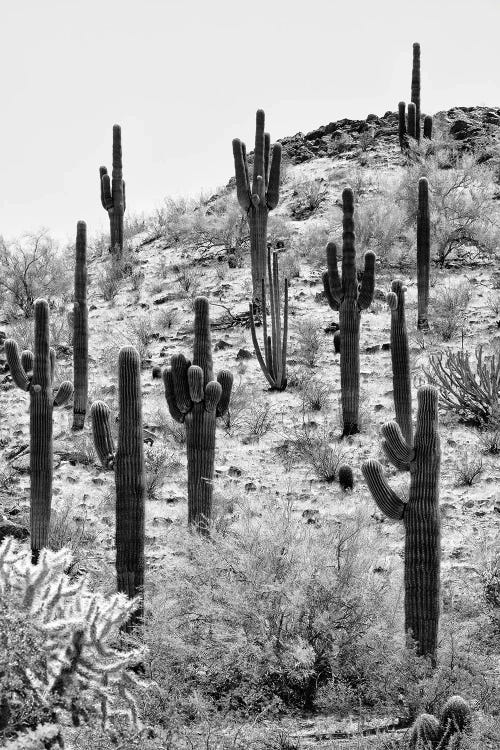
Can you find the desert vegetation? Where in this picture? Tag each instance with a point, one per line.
(263, 513)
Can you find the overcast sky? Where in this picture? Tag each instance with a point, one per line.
(184, 77)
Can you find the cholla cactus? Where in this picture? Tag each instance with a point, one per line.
(34, 373)
(76, 627)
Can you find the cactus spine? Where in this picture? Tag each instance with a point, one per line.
(415, 88)
(350, 298)
(420, 516)
(423, 253)
(34, 372)
(433, 734)
(113, 193)
(400, 355)
(195, 398)
(260, 197)
(80, 330)
(273, 364)
(130, 476)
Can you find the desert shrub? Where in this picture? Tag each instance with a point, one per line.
(279, 229)
(312, 241)
(30, 267)
(289, 265)
(256, 420)
(308, 339)
(166, 318)
(462, 215)
(489, 438)
(468, 470)
(23, 331)
(133, 224)
(109, 280)
(139, 331)
(474, 396)
(379, 225)
(160, 462)
(315, 395)
(312, 444)
(307, 196)
(59, 661)
(450, 302)
(60, 329)
(262, 615)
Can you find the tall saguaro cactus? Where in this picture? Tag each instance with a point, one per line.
(420, 516)
(273, 363)
(423, 253)
(113, 193)
(196, 399)
(415, 87)
(80, 330)
(127, 461)
(350, 298)
(260, 196)
(33, 372)
(400, 355)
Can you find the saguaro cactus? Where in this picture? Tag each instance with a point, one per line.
(400, 355)
(412, 120)
(430, 733)
(195, 398)
(350, 298)
(423, 253)
(273, 364)
(260, 197)
(130, 476)
(34, 372)
(80, 330)
(113, 193)
(415, 87)
(403, 139)
(428, 127)
(420, 516)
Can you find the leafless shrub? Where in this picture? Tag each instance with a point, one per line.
(315, 395)
(307, 197)
(314, 445)
(166, 318)
(468, 469)
(474, 396)
(160, 462)
(257, 421)
(308, 342)
(450, 304)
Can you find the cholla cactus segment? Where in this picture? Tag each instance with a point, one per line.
(350, 298)
(420, 516)
(196, 401)
(260, 196)
(78, 627)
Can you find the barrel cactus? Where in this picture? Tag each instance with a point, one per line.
(429, 733)
(420, 516)
(34, 372)
(196, 399)
(80, 330)
(127, 462)
(350, 298)
(113, 193)
(260, 196)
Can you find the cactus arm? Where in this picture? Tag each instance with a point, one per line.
(101, 429)
(415, 87)
(52, 359)
(17, 371)
(225, 378)
(403, 140)
(285, 336)
(168, 382)
(273, 189)
(393, 457)
(27, 360)
(277, 313)
(428, 127)
(400, 357)
(195, 382)
(387, 500)
(202, 350)
(241, 171)
(412, 119)
(213, 393)
(396, 444)
(258, 186)
(106, 199)
(365, 296)
(267, 153)
(64, 393)
(331, 278)
(179, 369)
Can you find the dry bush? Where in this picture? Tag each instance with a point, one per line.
(312, 444)
(315, 395)
(468, 470)
(166, 318)
(379, 225)
(307, 196)
(312, 241)
(160, 462)
(308, 344)
(450, 302)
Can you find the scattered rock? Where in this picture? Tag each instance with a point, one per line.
(7, 528)
(244, 354)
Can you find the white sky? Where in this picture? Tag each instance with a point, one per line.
(184, 77)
